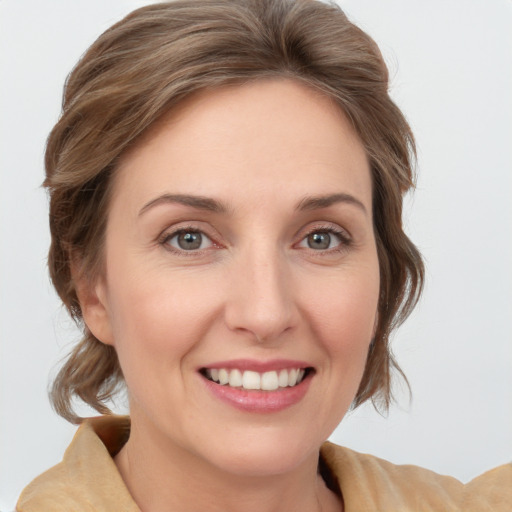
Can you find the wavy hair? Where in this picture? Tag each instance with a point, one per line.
(143, 66)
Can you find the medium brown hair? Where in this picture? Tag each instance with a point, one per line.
(158, 55)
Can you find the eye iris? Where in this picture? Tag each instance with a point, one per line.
(189, 240)
(319, 240)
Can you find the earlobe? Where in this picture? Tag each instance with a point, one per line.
(92, 296)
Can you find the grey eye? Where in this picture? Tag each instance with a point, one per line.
(189, 241)
(323, 240)
(319, 240)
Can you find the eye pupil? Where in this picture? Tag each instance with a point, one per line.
(189, 240)
(319, 240)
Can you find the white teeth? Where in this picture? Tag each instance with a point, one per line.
(223, 376)
(251, 380)
(267, 381)
(235, 378)
(283, 378)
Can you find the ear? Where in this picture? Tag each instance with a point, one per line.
(93, 298)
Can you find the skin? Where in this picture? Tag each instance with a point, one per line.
(254, 290)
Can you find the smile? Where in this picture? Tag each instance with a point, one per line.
(252, 380)
(256, 386)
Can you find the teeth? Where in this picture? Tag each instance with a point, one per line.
(235, 378)
(283, 378)
(267, 381)
(292, 377)
(223, 376)
(251, 380)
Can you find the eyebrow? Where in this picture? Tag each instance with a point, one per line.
(318, 202)
(212, 205)
(198, 202)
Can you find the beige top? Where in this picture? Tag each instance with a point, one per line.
(87, 480)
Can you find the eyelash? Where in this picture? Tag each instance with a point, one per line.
(165, 238)
(342, 235)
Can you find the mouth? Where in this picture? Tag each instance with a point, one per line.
(257, 381)
(258, 386)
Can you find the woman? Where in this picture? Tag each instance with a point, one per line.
(226, 189)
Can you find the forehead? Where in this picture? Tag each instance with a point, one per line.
(273, 136)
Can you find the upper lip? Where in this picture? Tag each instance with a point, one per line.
(258, 365)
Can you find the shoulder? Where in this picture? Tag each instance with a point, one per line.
(49, 491)
(491, 491)
(87, 478)
(373, 484)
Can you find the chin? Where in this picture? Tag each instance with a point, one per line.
(264, 453)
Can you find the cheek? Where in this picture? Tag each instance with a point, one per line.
(157, 318)
(344, 319)
(345, 311)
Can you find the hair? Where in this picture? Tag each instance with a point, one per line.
(143, 66)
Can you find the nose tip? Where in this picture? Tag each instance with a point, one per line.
(262, 316)
(261, 302)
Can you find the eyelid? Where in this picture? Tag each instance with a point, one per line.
(203, 237)
(172, 231)
(326, 227)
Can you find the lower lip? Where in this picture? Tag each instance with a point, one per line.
(259, 401)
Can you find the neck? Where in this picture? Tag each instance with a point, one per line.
(162, 477)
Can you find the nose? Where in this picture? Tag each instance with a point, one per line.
(261, 299)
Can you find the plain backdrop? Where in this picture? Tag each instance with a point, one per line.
(451, 69)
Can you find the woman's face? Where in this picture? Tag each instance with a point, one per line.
(240, 246)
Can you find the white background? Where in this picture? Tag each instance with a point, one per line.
(451, 63)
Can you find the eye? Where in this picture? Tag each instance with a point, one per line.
(187, 240)
(324, 240)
